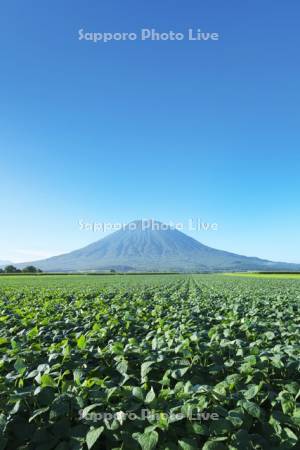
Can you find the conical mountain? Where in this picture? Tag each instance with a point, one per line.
(153, 246)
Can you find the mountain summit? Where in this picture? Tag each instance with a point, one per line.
(152, 246)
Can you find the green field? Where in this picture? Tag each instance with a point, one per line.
(281, 276)
(149, 361)
(81, 281)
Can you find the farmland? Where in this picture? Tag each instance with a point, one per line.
(212, 359)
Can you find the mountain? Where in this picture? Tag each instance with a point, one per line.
(4, 263)
(152, 246)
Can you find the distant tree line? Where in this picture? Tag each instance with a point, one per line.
(13, 269)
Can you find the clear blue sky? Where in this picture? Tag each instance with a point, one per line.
(169, 130)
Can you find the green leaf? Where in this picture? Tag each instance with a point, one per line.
(269, 335)
(251, 392)
(296, 416)
(179, 373)
(150, 396)
(92, 436)
(146, 368)
(47, 380)
(236, 418)
(81, 342)
(20, 366)
(221, 427)
(38, 412)
(77, 374)
(138, 393)
(122, 367)
(292, 438)
(87, 409)
(251, 360)
(33, 332)
(147, 440)
(200, 428)
(16, 407)
(187, 444)
(15, 345)
(252, 409)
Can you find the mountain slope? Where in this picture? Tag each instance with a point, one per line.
(140, 247)
(4, 263)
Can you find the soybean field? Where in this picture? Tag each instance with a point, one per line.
(149, 362)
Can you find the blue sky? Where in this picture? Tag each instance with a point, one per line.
(169, 130)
